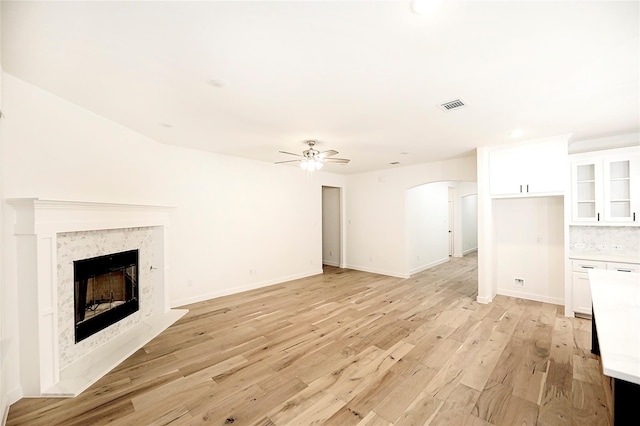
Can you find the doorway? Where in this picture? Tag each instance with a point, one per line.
(331, 226)
(452, 196)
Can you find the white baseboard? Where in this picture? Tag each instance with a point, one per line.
(430, 265)
(471, 250)
(532, 296)
(14, 395)
(5, 413)
(484, 300)
(330, 263)
(378, 271)
(252, 286)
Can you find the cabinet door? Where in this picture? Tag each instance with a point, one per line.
(506, 174)
(586, 188)
(581, 293)
(537, 168)
(548, 168)
(620, 180)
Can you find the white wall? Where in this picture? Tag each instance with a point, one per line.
(331, 241)
(428, 223)
(427, 226)
(463, 234)
(469, 219)
(4, 397)
(5, 367)
(529, 244)
(619, 141)
(376, 212)
(238, 224)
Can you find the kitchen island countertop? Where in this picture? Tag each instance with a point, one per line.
(616, 304)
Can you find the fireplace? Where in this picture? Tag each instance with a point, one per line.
(105, 291)
(51, 235)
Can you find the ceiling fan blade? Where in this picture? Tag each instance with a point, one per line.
(328, 153)
(290, 153)
(336, 160)
(288, 161)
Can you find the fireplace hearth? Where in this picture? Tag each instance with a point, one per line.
(105, 291)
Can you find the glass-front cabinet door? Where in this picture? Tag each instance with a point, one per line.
(605, 187)
(587, 193)
(621, 189)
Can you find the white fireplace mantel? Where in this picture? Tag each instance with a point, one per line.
(37, 224)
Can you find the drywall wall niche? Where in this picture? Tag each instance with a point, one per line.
(529, 245)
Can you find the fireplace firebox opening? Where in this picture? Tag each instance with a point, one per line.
(105, 291)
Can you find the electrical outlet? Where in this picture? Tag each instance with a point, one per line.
(330, 253)
(189, 283)
(519, 282)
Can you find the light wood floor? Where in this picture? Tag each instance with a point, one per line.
(352, 348)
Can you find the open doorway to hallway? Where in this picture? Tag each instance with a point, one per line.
(440, 223)
(331, 226)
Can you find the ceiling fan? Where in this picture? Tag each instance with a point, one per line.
(312, 159)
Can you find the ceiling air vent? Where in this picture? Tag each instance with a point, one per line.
(452, 105)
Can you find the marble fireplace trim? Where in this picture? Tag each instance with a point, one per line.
(73, 246)
(38, 226)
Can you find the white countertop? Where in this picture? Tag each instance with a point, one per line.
(605, 257)
(616, 304)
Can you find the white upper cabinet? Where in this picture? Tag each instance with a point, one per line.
(605, 187)
(586, 190)
(533, 168)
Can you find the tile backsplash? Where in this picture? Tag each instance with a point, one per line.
(605, 240)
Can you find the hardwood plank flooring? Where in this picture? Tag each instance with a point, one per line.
(352, 348)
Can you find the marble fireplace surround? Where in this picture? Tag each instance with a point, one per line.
(38, 226)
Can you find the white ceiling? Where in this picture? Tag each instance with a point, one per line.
(362, 77)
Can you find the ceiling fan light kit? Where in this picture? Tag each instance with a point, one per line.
(312, 159)
(311, 164)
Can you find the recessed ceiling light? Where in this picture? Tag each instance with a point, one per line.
(393, 163)
(218, 82)
(167, 125)
(516, 133)
(404, 153)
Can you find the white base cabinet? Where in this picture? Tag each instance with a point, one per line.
(580, 280)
